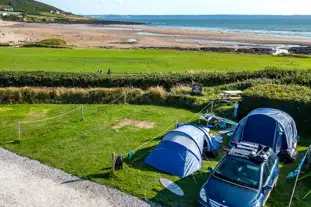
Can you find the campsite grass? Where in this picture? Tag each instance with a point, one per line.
(139, 60)
(84, 148)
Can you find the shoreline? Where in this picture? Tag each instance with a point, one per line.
(118, 36)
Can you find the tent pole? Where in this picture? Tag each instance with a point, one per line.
(19, 130)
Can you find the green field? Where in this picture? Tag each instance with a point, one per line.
(91, 60)
(84, 148)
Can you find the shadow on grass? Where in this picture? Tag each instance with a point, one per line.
(191, 186)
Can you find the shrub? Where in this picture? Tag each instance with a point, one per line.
(157, 91)
(4, 44)
(143, 80)
(154, 96)
(293, 99)
(242, 85)
(48, 43)
(53, 41)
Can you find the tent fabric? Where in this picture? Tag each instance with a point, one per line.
(262, 125)
(179, 153)
(258, 126)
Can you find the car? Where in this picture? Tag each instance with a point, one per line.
(244, 177)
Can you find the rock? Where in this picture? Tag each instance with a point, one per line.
(258, 50)
(218, 49)
(300, 50)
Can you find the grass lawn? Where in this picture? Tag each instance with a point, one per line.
(91, 60)
(84, 148)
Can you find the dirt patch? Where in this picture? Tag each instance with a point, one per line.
(135, 123)
(38, 114)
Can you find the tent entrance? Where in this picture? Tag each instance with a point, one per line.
(260, 129)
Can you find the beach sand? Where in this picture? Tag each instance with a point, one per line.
(117, 36)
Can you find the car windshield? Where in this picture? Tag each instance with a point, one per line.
(239, 171)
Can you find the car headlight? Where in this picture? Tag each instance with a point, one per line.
(203, 195)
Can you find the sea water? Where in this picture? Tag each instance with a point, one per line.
(293, 26)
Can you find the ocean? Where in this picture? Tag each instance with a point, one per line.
(293, 26)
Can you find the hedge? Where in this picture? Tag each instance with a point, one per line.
(293, 99)
(153, 96)
(143, 80)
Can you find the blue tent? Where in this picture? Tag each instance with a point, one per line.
(180, 151)
(270, 127)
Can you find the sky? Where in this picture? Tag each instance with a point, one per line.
(162, 7)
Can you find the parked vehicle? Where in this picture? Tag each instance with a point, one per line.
(244, 177)
(270, 127)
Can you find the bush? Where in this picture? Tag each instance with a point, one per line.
(4, 44)
(143, 80)
(53, 41)
(154, 96)
(242, 85)
(293, 99)
(48, 43)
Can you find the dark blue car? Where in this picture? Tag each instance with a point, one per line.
(244, 177)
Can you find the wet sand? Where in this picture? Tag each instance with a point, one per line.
(117, 36)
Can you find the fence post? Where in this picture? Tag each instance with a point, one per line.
(18, 125)
(125, 98)
(113, 161)
(82, 113)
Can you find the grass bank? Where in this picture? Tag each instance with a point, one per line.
(133, 61)
(84, 148)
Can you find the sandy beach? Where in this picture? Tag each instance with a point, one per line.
(117, 36)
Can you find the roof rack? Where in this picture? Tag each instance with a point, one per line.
(252, 151)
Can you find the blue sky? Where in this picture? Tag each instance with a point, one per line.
(284, 7)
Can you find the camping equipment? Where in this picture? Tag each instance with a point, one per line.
(172, 187)
(119, 163)
(180, 151)
(269, 127)
(217, 121)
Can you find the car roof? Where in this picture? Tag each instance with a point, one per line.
(251, 151)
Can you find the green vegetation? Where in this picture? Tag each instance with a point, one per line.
(293, 99)
(34, 11)
(154, 96)
(29, 6)
(84, 148)
(4, 44)
(139, 80)
(48, 43)
(133, 61)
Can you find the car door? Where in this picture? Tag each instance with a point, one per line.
(270, 174)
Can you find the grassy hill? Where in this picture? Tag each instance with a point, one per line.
(29, 6)
(34, 11)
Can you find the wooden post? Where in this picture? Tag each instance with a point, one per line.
(18, 125)
(82, 113)
(113, 161)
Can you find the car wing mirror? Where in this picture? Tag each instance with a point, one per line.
(210, 170)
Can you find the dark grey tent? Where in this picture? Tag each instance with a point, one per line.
(270, 127)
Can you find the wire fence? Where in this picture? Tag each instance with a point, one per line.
(80, 109)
